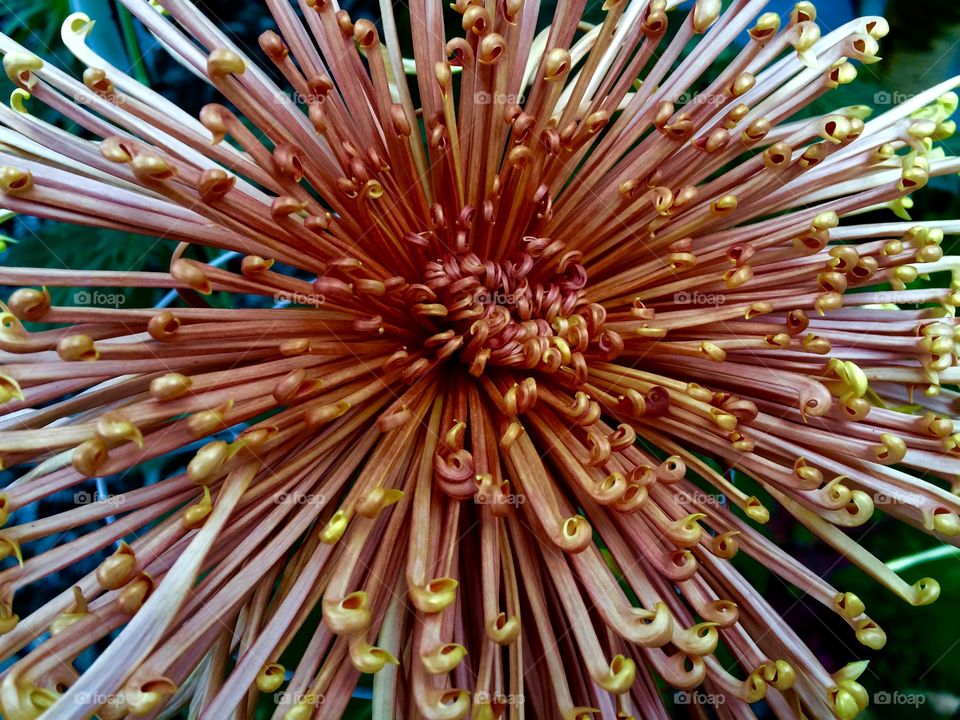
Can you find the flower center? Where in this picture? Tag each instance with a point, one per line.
(530, 312)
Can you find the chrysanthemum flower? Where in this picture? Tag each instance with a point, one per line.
(489, 345)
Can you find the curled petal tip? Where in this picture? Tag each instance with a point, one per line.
(149, 696)
(926, 591)
(575, 534)
(270, 677)
(89, 456)
(870, 634)
(335, 528)
(208, 461)
(170, 386)
(844, 704)
(222, 62)
(580, 713)
(194, 515)
(451, 704)
(620, 677)
(435, 596)
(113, 428)
(8, 619)
(116, 570)
(849, 605)
(443, 659)
(368, 658)
(19, 67)
(779, 674)
(303, 710)
(705, 14)
(891, 450)
(135, 593)
(377, 499)
(9, 546)
(9, 390)
(349, 615)
(756, 511)
(504, 629)
(66, 619)
(946, 522)
(22, 700)
(78, 348)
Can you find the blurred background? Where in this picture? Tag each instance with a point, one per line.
(914, 677)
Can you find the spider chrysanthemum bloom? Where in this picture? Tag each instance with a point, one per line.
(533, 303)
